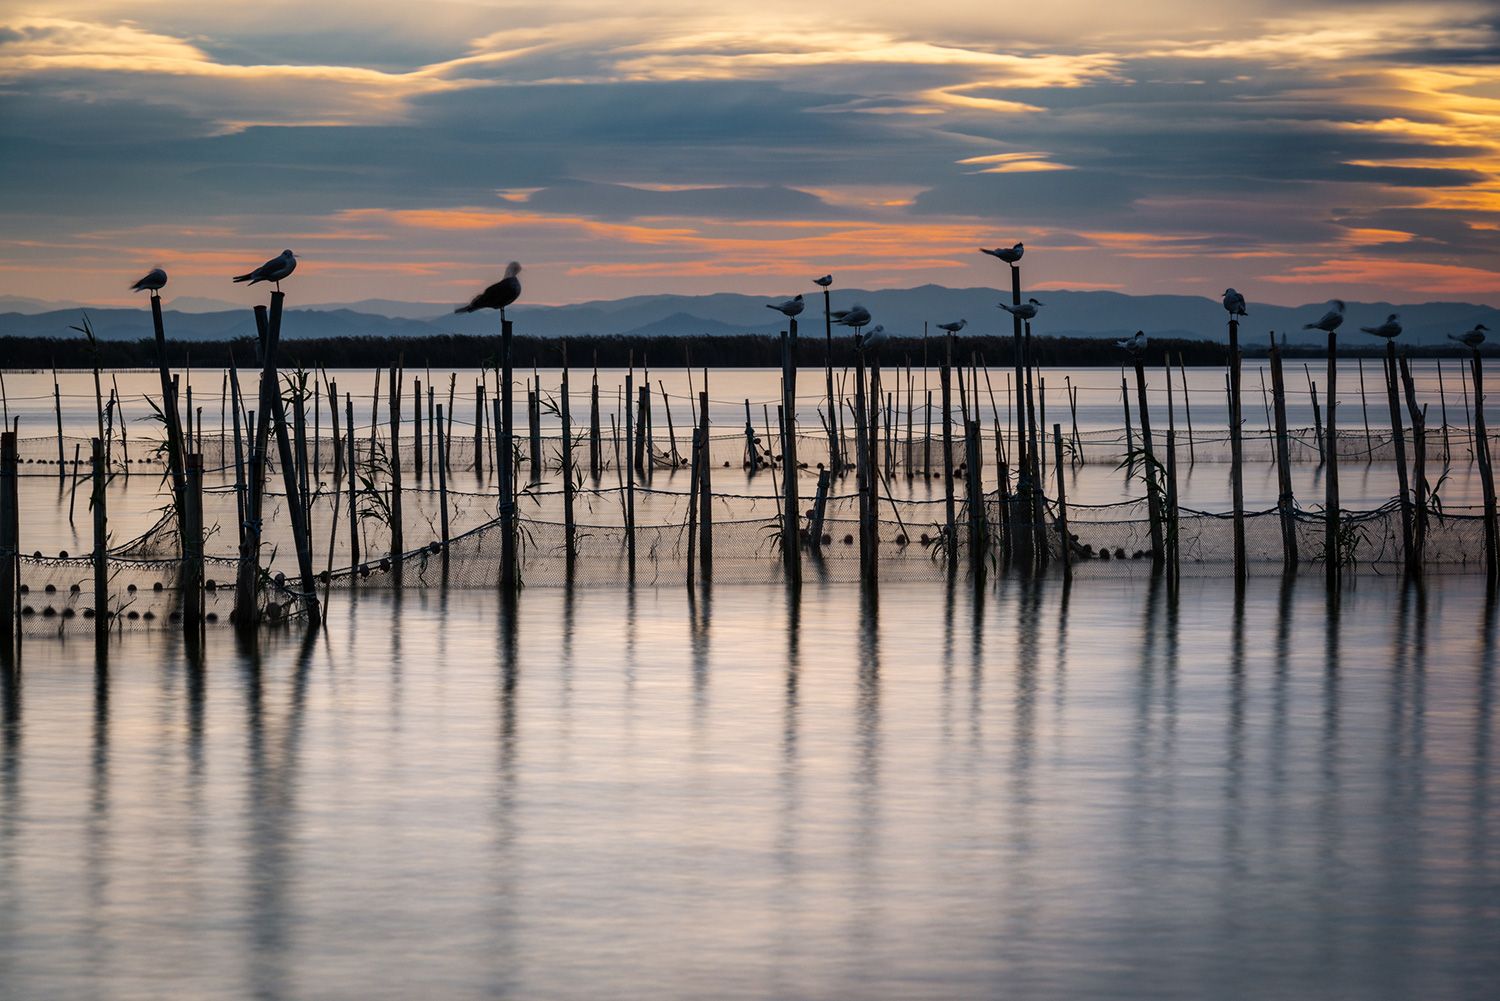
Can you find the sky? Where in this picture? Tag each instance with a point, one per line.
(1295, 150)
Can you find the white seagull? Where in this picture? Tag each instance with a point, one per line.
(1389, 329)
(499, 295)
(825, 281)
(275, 270)
(856, 316)
(1010, 255)
(153, 282)
(1135, 345)
(1026, 311)
(872, 337)
(1234, 303)
(1330, 320)
(787, 307)
(1471, 339)
(953, 328)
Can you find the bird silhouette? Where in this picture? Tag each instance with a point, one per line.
(1135, 345)
(1329, 321)
(954, 327)
(872, 337)
(499, 295)
(276, 270)
(1026, 311)
(1010, 255)
(153, 282)
(1471, 338)
(1234, 303)
(787, 307)
(1389, 329)
(825, 281)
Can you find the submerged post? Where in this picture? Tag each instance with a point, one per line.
(1236, 454)
(705, 489)
(1331, 477)
(101, 542)
(1486, 473)
(1153, 487)
(1398, 437)
(10, 538)
(509, 579)
(192, 544)
(353, 479)
(1286, 505)
(791, 532)
(398, 534)
(566, 414)
(1065, 541)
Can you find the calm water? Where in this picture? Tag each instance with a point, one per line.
(1102, 793)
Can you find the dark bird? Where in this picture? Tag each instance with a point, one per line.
(275, 270)
(1330, 320)
(499, 295)
(1472, 338)
(1010, 255)
(825, 281)
(1135, 345)
(1389, 329)
(153, 282)
(1234, 303)
(787, 307)
(954, 327)
(1026, 311)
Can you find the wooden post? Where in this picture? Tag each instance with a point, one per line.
(596, 438)
(950, 518)
(479, 445)
(353, 468)
(705, 489)
(674, 458)
(834, 463)
(62, 462)
(791, 531)
(628, 416)
(1312, 394)
(1236, 454)
(169, 402)
(101, 542)
(1331, 476)
(1187, 407)
(534, 425)
(333, 420)
(1022, 462)
(869, 461)
(820, 509)
(192, 545)
(694, 472)
(10, 538)
(398, 533)
(1470, 429)
(1286, 506)
(974, 496)
(1064, 540)
(1174, 567)
(1129, 431)
(247, 580)
(509, 576)
(301, 532)
(1073, 409)
(1398, 437)
(1419, 470)
(1153, 487)
(1443, 402)
(1364, 409)
(416, 430)
(1486, 473)
(570, 546)
(442, 474)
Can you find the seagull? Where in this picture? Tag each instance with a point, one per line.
(1010, 255)
(1330, 320)
(1135, 345)
(874, 336)
(953, 328)
(274, 270)
(499, 295)
(1390, 328)
(825, 281)
(1025, 311)
(1471, 339)
(787, 307)
(1234, 303)
(153, 282)
(856, 316)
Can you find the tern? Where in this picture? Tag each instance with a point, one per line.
(825, 281)
(153, 282)
(1471, 339)
(1026, 311)
(499, 295)
(1234, 303)
(1010, 255)
(787, 307)
(953, 328)
(1330, 320)
(1135, 345)
(1389, 329)
(276, 270)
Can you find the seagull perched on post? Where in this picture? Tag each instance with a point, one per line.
(275, 270)
(153, 282)
(787, 307)
(1389, 329)
(499, 295)
(1471, 339)
(1234, 303)
(1026, 311)
(824, 282)
(1010, 255)
(1135, 345)
(856, 316)
(953, 328)
(1329, 321)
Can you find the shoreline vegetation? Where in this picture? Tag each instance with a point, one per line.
(614, 351)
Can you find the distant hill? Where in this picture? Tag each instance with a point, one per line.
(902, 311)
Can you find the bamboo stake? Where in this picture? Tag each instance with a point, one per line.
(1153, 488)
(10, 540)
(705, 489)
(1286, 504)
(192, 544)
(565, 412)
(1399, 438)
(1237, 453)
(398, 531)
(101, 543)
(1443, 401)
(1064, 540)
(1419, 470)
(353, 480)
(510, 580)
(442, 474)
(416, 430)
(1364, 409)
(1187, 407)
